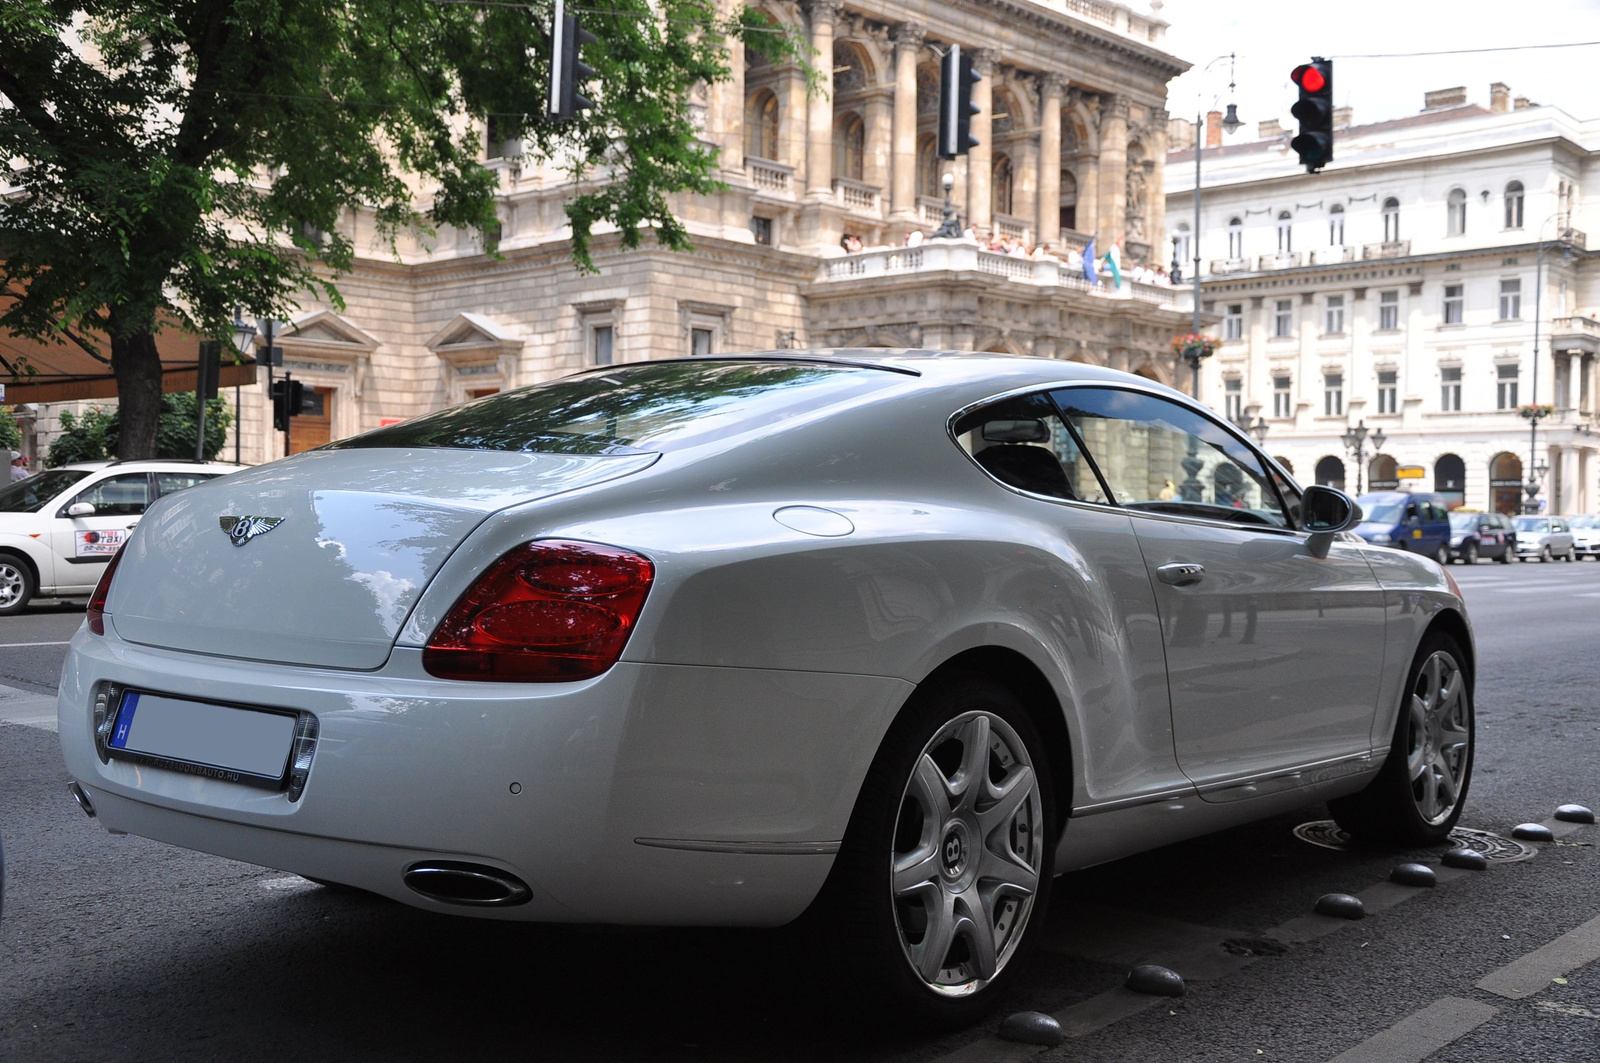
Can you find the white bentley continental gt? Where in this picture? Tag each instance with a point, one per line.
(894, 637)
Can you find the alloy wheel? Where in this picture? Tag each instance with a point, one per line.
(13, 584)
(1470, 554)
(1438, 737)
(968, 852)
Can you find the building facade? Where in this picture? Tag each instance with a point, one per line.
(1433, 282)
(1071, 135)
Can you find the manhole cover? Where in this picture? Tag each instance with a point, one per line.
(1329, 835)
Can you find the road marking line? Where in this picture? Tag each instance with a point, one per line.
(12, 645)
(1529, 974)
(1098, 1012)
(1421, 1034)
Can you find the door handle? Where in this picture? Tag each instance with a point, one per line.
(1180, 573)
(132, 526)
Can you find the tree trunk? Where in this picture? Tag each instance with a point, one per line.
(137, 365)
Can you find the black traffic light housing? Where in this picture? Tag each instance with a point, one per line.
(567, 70)
(288, 400)
(956, 108)
(208, 371)
(1314, 110)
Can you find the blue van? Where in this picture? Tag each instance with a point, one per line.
(1415, 521)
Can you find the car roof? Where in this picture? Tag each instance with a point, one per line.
(165, 464)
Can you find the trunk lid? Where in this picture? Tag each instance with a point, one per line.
(361, 534)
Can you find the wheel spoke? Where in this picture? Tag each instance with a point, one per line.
(928, 954)
(1007, 798)
(1416, 754)
(917, 871)
(1004, 873)
(978, 928)
(1432, 670)
(1452, 736)
(967, 786)
(1446, 781)
(1430, 794)
(931, 791)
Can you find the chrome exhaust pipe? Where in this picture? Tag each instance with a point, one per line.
(471, 885)
(80, 795)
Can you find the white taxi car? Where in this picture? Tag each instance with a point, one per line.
(59, 528)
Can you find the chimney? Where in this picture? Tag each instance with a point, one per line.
(1439, 99)
(1521, 103)
(1269, 129)
(1499, 97)
(1342, 117)
(1180, 134)
(1213, 129)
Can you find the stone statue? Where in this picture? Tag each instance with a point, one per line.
(1137, 194)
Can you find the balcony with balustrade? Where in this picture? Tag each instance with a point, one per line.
(769, 177)
(1386, 249)
(857, 196)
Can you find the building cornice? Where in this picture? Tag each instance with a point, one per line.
(1303, 273)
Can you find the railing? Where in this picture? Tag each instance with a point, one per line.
(1576, 238)
(767, 175)
(854, 195)
(1090, 9)
(1008, 226)
(1229, 265)
(1329, 256)
(931, 209)
(1072, 240)
(937, 255)
(1279, 260)
(1387, 249)
(1576, 324)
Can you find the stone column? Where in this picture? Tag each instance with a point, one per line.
(1025, 185)
(877, 165)
(908, 37)
(980, 160)
(1113, 172)
(726, 121)
(819, 115)
(1048, 225)
(1156, 220)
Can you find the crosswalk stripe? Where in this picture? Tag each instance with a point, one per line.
(1422, 1033)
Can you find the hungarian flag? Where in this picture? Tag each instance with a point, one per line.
(1114, 263)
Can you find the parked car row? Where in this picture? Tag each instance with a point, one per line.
(1421, 523)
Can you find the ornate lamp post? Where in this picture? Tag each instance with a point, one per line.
(952, 225)
(1255, 427)
(244, 336)
(1355, 441)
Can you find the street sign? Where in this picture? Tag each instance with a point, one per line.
(1410, 472)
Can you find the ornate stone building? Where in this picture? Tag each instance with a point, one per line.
(1072, 141)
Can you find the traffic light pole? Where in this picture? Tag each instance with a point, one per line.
(288, 414)
(1199, 147)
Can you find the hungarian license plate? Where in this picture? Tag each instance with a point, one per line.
(197, 737)
(102, 543)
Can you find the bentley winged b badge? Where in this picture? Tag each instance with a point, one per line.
(242, 529)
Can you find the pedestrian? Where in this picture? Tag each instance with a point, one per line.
(19, 467)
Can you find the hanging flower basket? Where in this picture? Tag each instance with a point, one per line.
(1194, 345)
(1536, 411)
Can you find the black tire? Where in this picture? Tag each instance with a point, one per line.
(1469, 554)
(1544, 554)
(1572, 553)
(867, 934)
(16, 584)
(1393, 809)
(1442, 554)
(1508, 554)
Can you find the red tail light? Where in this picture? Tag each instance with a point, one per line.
(96, 613)
(548, 611)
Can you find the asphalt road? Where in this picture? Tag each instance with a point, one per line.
(114, 948)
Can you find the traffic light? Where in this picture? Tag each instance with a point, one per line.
(208, 370)
(956, 108)
(288, 400)
(1314, 109)
(567, 69)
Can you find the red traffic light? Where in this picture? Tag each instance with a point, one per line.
(1309, 78)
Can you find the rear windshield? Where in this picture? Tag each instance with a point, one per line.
(649, 406)
(1532, 524)
(1464, 521)
(34, 493)
(1382, 512)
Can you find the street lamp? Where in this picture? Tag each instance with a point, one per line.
(951, 227)
(1355, 441)
(244, 335)
(1230, 123)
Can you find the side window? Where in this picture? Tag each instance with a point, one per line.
(1022, 442)
(168, 482)
(1290, 495)
(1157, 455)
(117, 496)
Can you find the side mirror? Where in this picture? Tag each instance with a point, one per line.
(81, 509)
(1325, 512)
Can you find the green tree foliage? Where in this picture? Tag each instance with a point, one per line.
(94, 436)
(10, 433)
(179, 158)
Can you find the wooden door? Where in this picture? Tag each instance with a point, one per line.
(314, 427)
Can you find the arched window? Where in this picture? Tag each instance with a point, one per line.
(1391, 220)
(1330, 472)
(1235, 238)
(1456, 212)
(928, 89)
(1336, 226)
(849, 69)
(1450, 479)
(1285, 232)
(1071, 135)
(1514, 205)
(928, 166)
(1069, 200)
(1002, 184)
(1003, 113)
(1181, 247)
(761, 125)
(849, 145)
(1505, 482)
(1383, 473)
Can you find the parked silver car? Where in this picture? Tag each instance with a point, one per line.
(1545, 538)
(1586, 534)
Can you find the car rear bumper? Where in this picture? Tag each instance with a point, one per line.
(654, 794)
